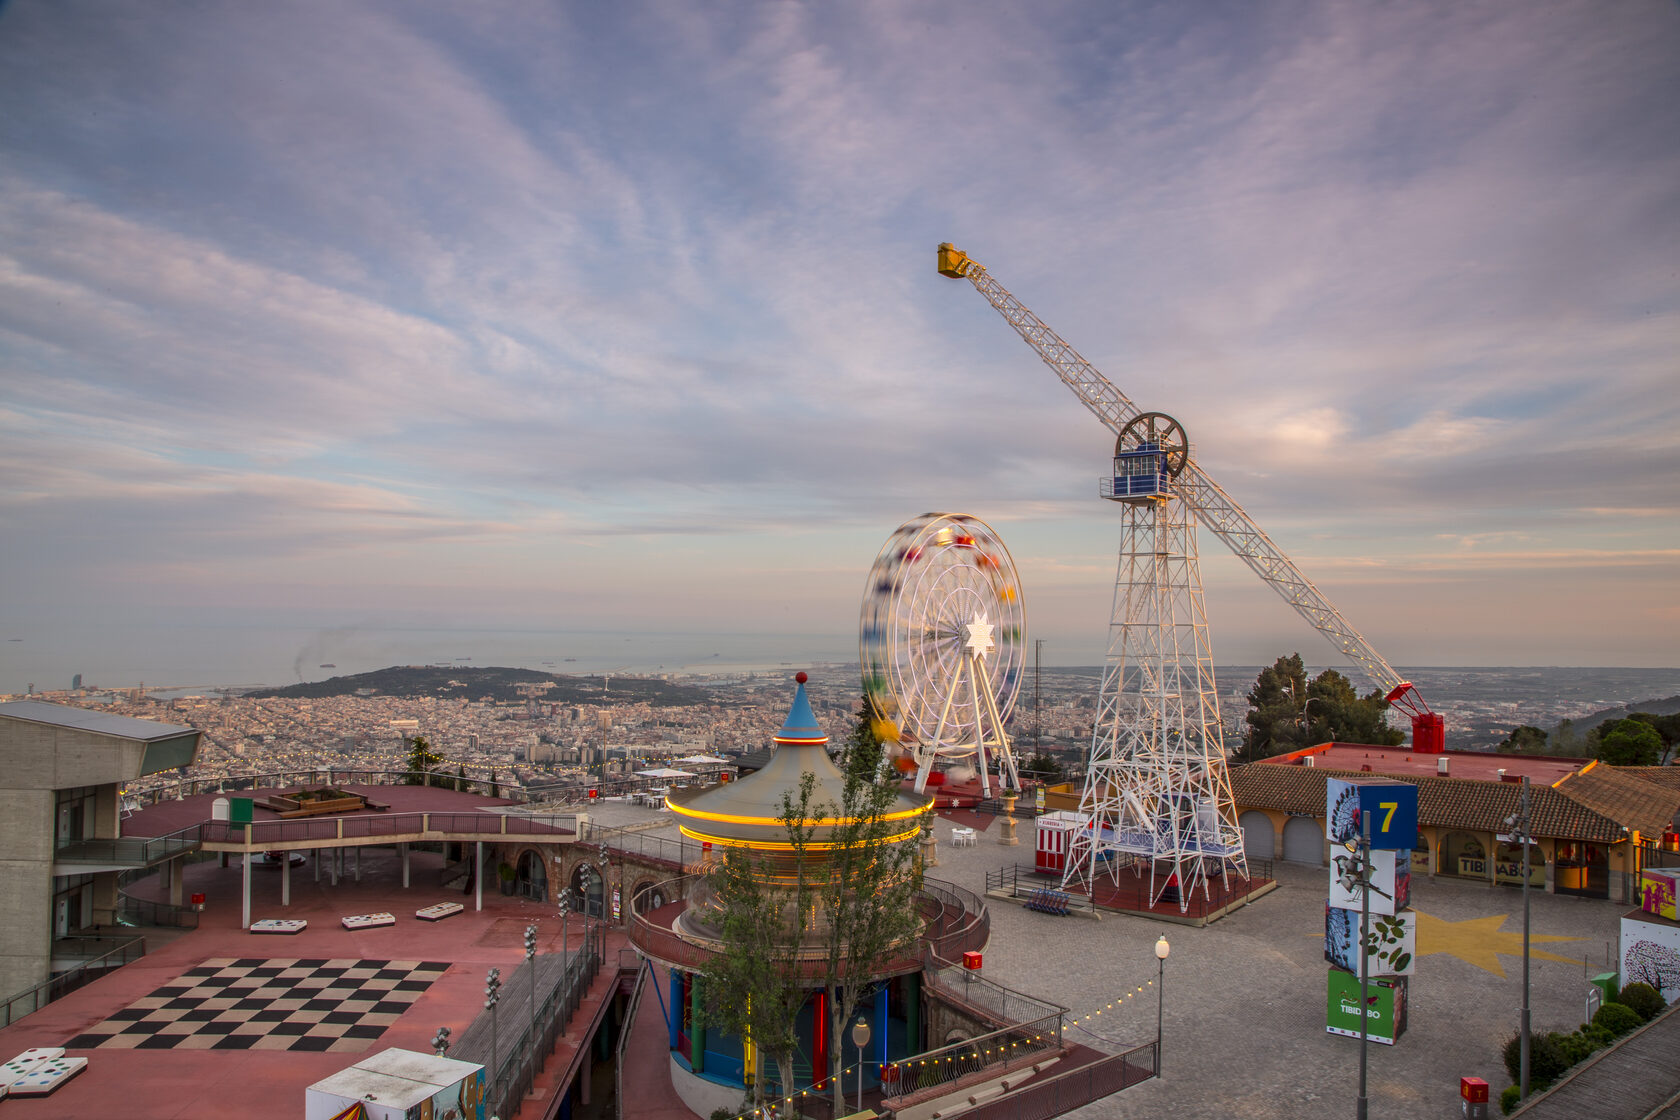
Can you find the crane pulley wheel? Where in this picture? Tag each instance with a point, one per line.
(1161, 430)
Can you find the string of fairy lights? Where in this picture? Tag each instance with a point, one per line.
(916, 1068)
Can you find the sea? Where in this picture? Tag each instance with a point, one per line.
(1481, 703)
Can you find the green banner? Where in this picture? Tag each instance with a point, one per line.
(1385, 1013)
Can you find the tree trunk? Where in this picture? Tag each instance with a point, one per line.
(837, 1047)
(784, 1066)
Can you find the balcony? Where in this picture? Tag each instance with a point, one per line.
(955, 921)
(127, 853)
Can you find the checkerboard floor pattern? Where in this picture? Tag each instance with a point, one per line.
(340, 1006)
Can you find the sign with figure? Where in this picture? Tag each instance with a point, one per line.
(1390, 881)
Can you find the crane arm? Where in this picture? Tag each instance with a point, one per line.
(1095, 391)
(1213, 506)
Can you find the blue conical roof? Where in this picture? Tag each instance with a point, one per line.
(801, 724)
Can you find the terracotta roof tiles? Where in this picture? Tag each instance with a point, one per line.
(1442, 802)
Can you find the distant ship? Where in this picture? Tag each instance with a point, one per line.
(328, 665)
(568, 659)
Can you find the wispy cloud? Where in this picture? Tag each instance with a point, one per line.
(467, 296)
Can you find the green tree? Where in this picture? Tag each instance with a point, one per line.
(1335, 713)
(1667, 726)
(1274, 710)
(495, 788)
(863, 751)
(461, 779)
(1287, 712)
(421, 762)
(753, 987)
(867, 892)
(1565, 742)
(1629, 742)
(1525, 739)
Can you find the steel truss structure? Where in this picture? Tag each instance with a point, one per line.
(1156, 783)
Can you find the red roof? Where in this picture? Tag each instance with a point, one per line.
(1402, 763)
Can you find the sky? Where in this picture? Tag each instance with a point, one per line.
(624, 318)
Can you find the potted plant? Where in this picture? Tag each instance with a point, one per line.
(504, 871)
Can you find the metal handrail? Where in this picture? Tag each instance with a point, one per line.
(1008, 880)
(276, 834)
(38, 996)
(630, 1010)
(1003, 1004)
(281, 779)
(1063, 1092)
(129, 849)
(1013, 1045)
(961, 924)
(518, 1065)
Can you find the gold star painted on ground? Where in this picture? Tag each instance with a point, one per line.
(1480, 941)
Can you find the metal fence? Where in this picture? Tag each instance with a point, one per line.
(37, 997)
(679, 854)
(1065, 1092)
(1123, 892)
(129, 849)
(987, 998)
(629, 1021)
(957, 919)
(977, 1059)
(278, 834)
(520, 1054)
(285, 779)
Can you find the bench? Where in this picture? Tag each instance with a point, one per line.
(438, 912)
(368, 921)
(280, 925)
(1048, 901)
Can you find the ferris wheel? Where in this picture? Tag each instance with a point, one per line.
(942, 644)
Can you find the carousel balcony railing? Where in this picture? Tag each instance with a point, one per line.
(955, 922)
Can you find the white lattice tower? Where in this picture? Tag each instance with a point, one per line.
(1156, 786)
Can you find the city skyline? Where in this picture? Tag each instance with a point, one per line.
(338, 319)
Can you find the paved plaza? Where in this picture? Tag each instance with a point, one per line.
(1245, 996)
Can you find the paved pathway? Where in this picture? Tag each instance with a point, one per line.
(1245, 996)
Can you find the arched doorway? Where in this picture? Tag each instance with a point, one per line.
(588, 890)
(1464, 855)
(647, 897)
(531, 879)
(1259, 839)
(1303, 841)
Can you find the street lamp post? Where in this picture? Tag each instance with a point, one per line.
(860, 1039)
(1161, 951)
(492, 993)
(606, 880)
(565, 920)
(531, 963)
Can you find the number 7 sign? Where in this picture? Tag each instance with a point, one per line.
(1392, 809)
